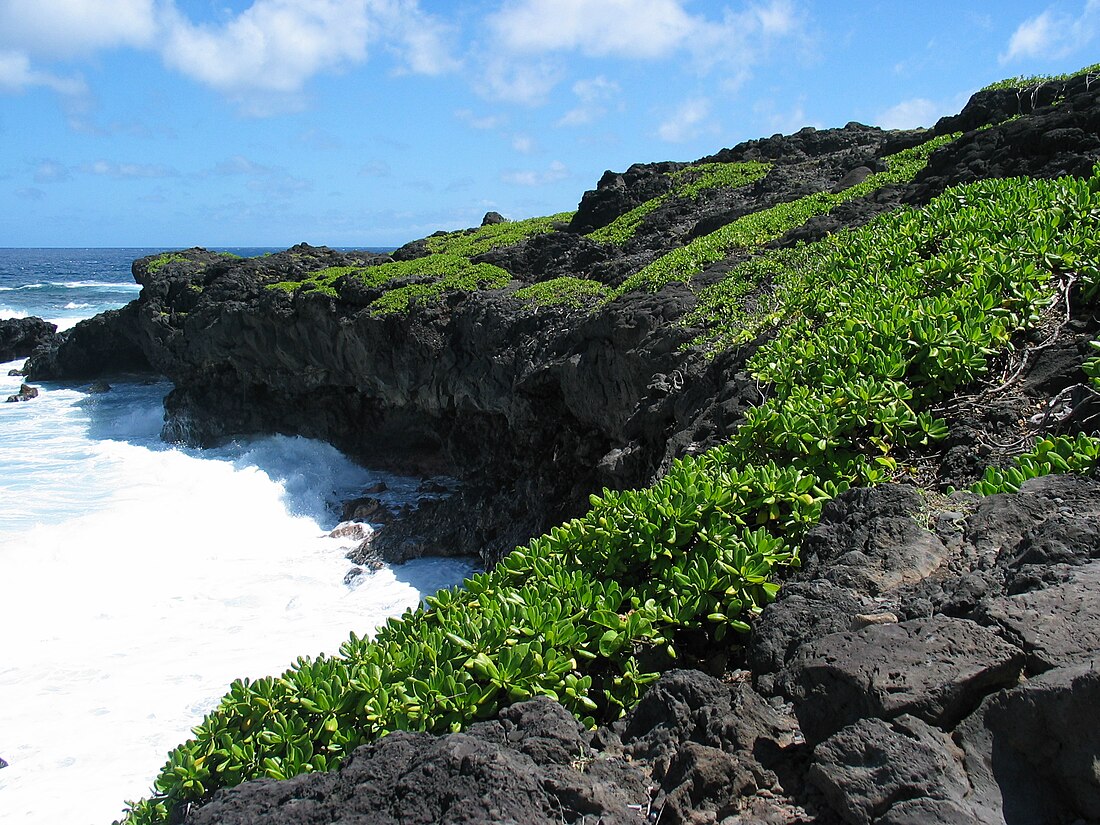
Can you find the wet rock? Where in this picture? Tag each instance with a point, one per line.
(353, 530)
(3, 762)
(866, 768)
(99, 387)
(26, 393)
(937, 669)
(15, 372)
(19, 337)
(366, 508)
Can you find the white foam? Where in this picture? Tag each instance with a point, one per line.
(138, 581)
(7, 313)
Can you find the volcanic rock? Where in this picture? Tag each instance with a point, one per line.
(19, 337)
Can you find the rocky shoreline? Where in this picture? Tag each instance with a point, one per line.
(934, 660)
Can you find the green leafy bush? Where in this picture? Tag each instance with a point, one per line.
(163, 260)
(887, 322)
(758, 228)
(435, 276)
(431, 277)
(1049, 455)
(689, 182)
(475, 242)
(1030, 81)
(564, 291)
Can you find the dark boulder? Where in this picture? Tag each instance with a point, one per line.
(19, 337)
(868, 767)
(26, 393)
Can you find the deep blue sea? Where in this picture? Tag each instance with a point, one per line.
(138, 579)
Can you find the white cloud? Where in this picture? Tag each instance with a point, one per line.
(110, 169)
(481, 122)
(16, 75)
(1053, 34)
(593, 93)
(685, 122)
(555, 172)
(50, 171)
(261, 57)
(523, 81)
(524, 144)
(273, 46)
(909, 114)
(60, 28)
(624, 28)
(733, 41)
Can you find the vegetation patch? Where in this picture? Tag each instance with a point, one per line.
(887, 323)
(470, 243)
(162, 261)
(437, 274)
(690, 182)
(756, 229)
(1031, 81)
(565, 291)
(321, 280)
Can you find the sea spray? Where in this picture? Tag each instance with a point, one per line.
(138, 579)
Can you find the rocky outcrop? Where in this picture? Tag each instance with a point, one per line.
(26, 393)
(935, 661)
(19, 337)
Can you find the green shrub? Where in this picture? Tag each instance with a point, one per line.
(475, 242)
(758, 228)
(163, 260)
(564, 291)
(888, 322)
(436, 274)
(1062, 454)
(689, 182)
(1029, 82)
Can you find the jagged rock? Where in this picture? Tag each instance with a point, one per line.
(15, 372)
(99, 387)
(366, 508)
(1032, 753)
(26, 393)
(354, 530)
(936, 669)
(866, 768)
(492, 218)
(19, 337)
(1056, 626)
(525, 767)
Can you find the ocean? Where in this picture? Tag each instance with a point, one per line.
(139, 578)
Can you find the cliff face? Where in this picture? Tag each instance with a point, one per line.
(933, 660)
(533, 407)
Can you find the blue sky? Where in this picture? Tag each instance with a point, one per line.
(174, 123)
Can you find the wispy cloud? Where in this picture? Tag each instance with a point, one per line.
(17, 74)
(910, 114)
(480, 122)
(686, 122)
(261, 58)
(555, 172)
(122, 171)
(732, 42)
(1054, 34)
(271, 181)
(593, 94)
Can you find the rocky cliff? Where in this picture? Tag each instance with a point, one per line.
(933, 659)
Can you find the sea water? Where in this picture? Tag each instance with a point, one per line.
(138, 579)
